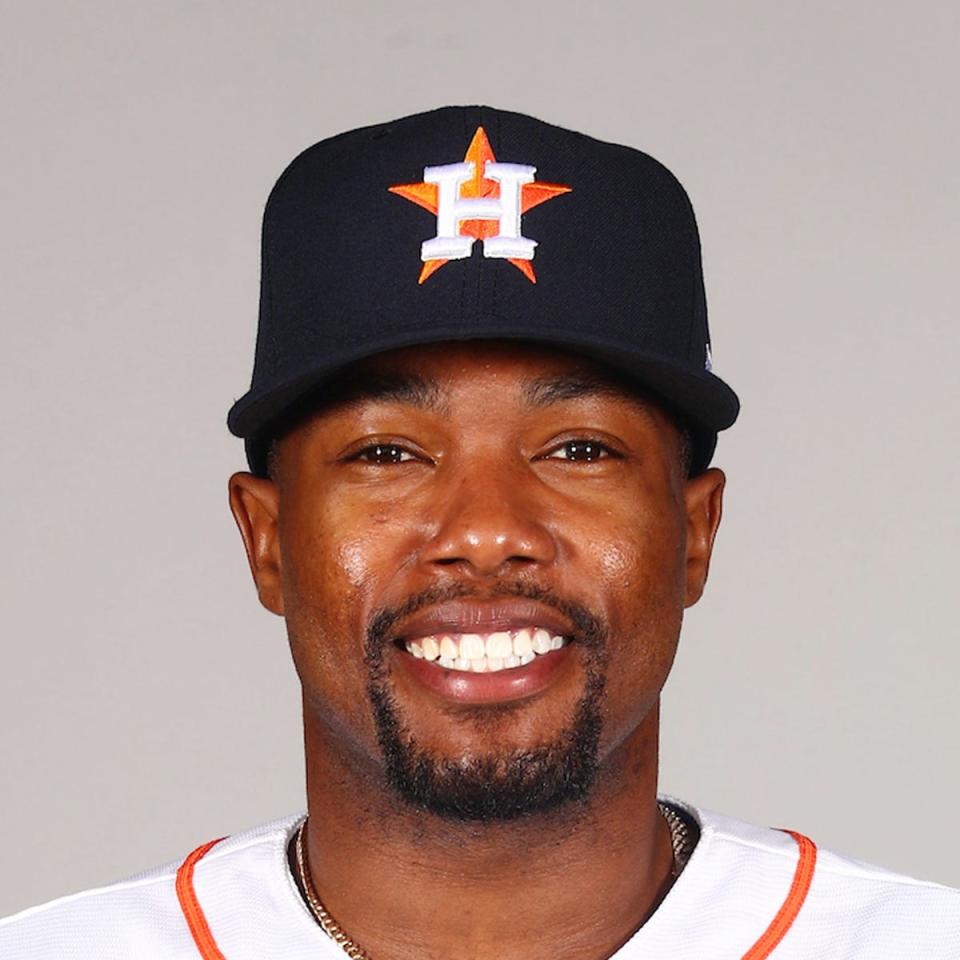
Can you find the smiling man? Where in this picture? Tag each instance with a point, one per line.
(482, 552)
(479, 435)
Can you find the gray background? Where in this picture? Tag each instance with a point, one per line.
(147, 702)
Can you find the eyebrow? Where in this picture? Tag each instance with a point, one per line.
(389, 387)
(544, 391)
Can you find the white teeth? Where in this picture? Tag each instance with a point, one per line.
(542, 642)
(479, 653)
(523, 642)
(499, 645)
(448, 648)
(472, 646)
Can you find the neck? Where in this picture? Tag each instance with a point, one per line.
(576, 882)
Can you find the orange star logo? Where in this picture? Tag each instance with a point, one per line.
(481, 186)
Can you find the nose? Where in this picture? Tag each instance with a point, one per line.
(488, 522)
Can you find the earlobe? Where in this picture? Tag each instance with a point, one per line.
(255, 503)
(703, 497)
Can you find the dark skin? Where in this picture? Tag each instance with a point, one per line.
(482, 482)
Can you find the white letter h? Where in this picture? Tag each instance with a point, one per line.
(452, 210)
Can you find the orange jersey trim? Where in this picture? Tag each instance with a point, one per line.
(781, 923)
(190, 905)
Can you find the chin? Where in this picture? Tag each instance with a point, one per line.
(492, 787)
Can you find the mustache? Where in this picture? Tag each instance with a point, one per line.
(590, 629)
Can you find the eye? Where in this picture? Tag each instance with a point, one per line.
(581, 451)
(383, 453)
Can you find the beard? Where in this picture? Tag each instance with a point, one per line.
(495, 786)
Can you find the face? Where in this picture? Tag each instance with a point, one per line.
(483, 552)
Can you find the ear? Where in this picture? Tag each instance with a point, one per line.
(255, 502)
(703, 496)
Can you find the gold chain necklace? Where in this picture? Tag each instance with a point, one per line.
(330, 926)
(682, 839)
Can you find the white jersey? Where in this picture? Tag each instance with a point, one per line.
(747, 892)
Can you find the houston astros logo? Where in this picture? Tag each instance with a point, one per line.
(479, 199)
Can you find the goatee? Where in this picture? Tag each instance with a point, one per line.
(497, 786)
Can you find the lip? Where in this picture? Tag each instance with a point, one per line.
(487, 616)
(503, 686)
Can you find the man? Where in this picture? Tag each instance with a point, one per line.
(479, 431)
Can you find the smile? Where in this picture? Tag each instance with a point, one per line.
(485, 652)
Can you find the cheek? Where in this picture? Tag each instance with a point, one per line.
(329, 547)
(636, 559)
(615, 562)
(338, 560)
(323, 576)
(354, 561)
(634, 545)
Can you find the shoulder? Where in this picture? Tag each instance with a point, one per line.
(832, 904)
(142, 916)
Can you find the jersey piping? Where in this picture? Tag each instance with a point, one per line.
(788, 913)
(190, 904)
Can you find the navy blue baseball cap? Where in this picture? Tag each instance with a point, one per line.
(475, 223)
